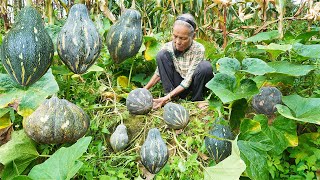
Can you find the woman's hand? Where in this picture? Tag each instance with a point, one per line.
(158, 103)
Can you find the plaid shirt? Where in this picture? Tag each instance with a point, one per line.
(186, 63)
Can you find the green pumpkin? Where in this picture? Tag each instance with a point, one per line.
(124, 38)
(119, 138)
(265, 102)
(56, 121)
(154, 152)
(79, 42)
(219, 149)
(175, 116)
(139, 101)
(27, 50)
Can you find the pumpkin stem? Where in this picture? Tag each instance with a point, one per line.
(130, 74)
(133, 5)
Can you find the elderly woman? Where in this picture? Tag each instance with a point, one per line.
(181, 65)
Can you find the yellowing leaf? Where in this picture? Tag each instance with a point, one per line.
(122, 81)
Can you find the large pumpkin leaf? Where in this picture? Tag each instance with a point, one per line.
(275, 49)
(224, 86)
(290, 69)
(310, 51)
(230, 168)
(282, 132)
(256, 66)
(228, 65)
(263, 36)
(26, 99)
(300, 109)
(63, 164)
(254, 144)
(152, 47)
(19, 152)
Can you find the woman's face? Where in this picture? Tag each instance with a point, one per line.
(181, 38)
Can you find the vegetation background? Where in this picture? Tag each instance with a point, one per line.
(275, 43)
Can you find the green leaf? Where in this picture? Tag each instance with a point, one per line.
(152, 47)
(254, 144)
(300, 109)
(63, 164)
(256, 66)
(305, 36)
(230, 168)
(27, 99)
(255, 159)
(290, 69)
(224, 86)
(282, 132)
(309, 51)
(263, 36)
(275, 49)
(238, 112)
(22, 177)
(19, 152)
(228, 65)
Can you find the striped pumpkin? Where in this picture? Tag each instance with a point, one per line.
(175, 116)
(219, 149)
(79, 42)
(119, 138)
(124, 38)
(154, 152)
(27, 50)
(139, 101)
(56, 121)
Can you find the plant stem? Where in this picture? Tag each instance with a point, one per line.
(130, 74)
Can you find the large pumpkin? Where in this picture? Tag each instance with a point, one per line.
(219, 149)
(27, 50)
(56, 121)
(79, 42)
(265, 102)
(154, 152)
(124, 38)
(139, 101)
(175, 116)
(119, 138)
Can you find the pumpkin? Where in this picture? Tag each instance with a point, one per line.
(219, 149)
(154, 152)
(79, 42)
(175, 116)
(124, 38)
(265, 102)
(56, 121)
(139, 101)
(27, 50)
(119, 138)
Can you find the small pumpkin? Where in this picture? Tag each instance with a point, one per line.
(56, 121)
(175, 116)
(124, 38)
(79, 42)
(27, 49)
(219, 149)
(139, 101)
(265, 102)
(119, 138)
(154, 152)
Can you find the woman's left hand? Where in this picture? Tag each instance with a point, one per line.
(158, 103)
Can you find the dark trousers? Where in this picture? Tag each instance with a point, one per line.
(170, 78)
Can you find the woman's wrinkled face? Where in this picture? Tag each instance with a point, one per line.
(181, 37)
